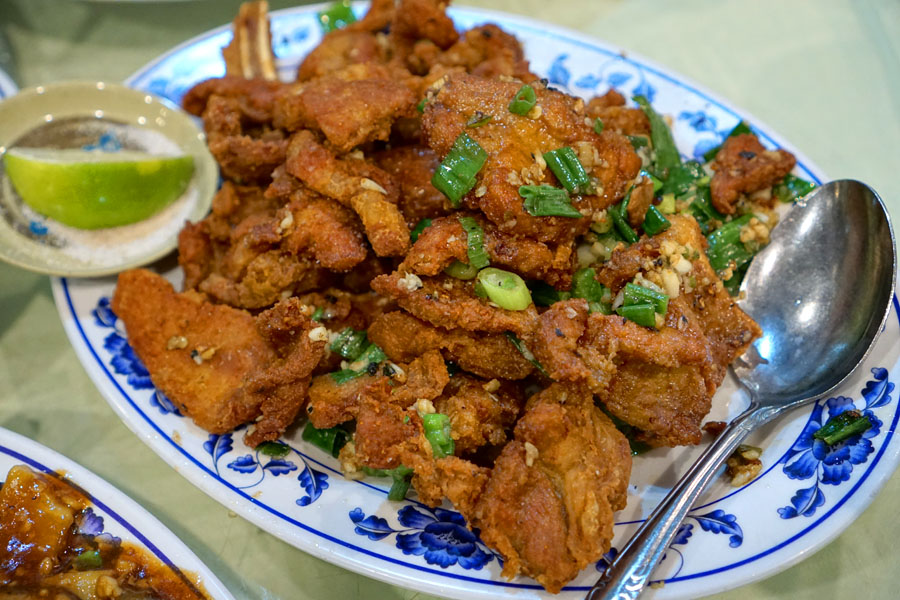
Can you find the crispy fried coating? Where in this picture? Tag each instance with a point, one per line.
(350, 183)
(548, 504)
(612, 112)
(327, 229)
(514, 145)
(256, 96)
(385, 432)
(348, 113)
(339, 49)
(479, 417)
(445, 240)
(412, 166)
(241, 156)
(450, 303)
(403, 337)
(487, 51)
(742, 166)
(218, 364)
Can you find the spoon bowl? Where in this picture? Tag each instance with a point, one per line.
(821, 292)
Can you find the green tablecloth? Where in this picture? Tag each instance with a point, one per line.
(825, 74)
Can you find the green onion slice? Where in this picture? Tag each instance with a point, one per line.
(654, 221)
(585, 285)
(349, 343)
(478, 256)
(680, 178)
(420, 106)
(318, 314)
(638, 141)
(568, 169)
(274, 449)
(330, 440)
(792, 188)
(547, 201)
(437, 432)
(842, 426)
(598, 126)
(478, 119)
(667, 204)
(544, 294)
(455, 176)
(401, 476)
(637, 294)
(88, 560)
(418, 229)
(664, 148)
(525, 352)
(506, 289)
(617, 215)
(657, 182)
(642, 314)
(336, 16)
(460, 270)
(344, 375)
(523, 101)
(725, 245)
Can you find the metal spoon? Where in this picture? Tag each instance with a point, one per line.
(821, 292)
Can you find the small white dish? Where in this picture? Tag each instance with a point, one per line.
(107, 117)
(119, 515)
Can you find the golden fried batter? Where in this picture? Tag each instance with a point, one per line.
(219, 365)
(743, 165)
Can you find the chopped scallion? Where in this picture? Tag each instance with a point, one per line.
(657, 183)
(478, 119)
(349, 343)
(725, 245)
(88, 560)
(401, 476)
(598, 126)
(654, 221)
(420, 106)
(437, 432)
(638, 141)
(681, 177)
(330, 440)
(525, 352)
(564, 163)
(585, 285)
(344, 375)
(336, 16)
(792, 188)
(478, 256)
(621, 224)
(664, 148)
(637, 294)
(455, 176)
(505, 289)
(418, 229)
(545, 294)
(523, 101)
(318, 314)
(547, 201)
(642, 314)
(842, 426)
(460, 270)
(275, 449)
(667, 204)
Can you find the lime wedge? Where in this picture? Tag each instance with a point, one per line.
(91, 190)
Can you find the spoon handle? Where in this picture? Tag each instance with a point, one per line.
(626, 576)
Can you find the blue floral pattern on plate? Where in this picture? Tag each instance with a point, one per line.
(832, 465)
(438, 535)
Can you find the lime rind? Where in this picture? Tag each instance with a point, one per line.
(94, 190)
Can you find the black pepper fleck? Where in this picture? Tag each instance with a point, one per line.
(559, 332)
(747, 154)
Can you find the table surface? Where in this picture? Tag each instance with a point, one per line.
(825, 74)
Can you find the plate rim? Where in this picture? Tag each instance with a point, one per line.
(153, 535)
(214, 488)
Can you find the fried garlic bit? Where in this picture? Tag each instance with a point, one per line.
(250, 52)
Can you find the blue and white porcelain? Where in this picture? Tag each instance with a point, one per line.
(112, 513)
(804, 498)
